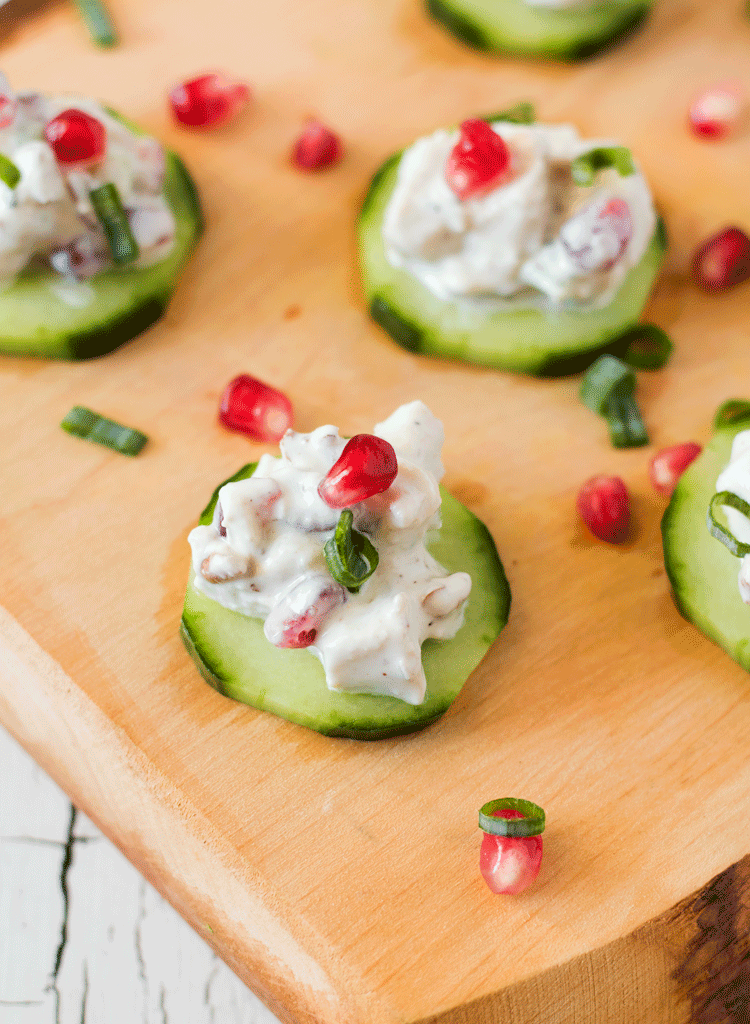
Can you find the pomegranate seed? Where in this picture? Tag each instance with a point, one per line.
(77, 139)
(509, 864)
(316, 147)
(722, 261)
(253, 408)
(597, 237)
(477, 162)
(668, 465)
(7, 103)
(604, 505)
(367, 466)
(295, 620)
(716, 112)
(208, 101)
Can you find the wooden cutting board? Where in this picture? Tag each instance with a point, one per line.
(340, 879)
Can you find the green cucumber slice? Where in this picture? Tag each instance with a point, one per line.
(34, 321)
(233, 655)
(512, 26)
(702, 572)
(524, 340)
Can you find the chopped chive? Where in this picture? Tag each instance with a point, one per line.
(9, 173)
(732, 412)
(350, 556)
(648, 347)
(84, 423)
(723, 533)
(98, 22)
(113, 219)
(585, 166)
(607, 389)
(531, 824)
(521, 113)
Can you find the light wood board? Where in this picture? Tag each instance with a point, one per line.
(340, 879)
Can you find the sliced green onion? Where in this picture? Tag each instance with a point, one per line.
(607, 389)
(84, 423)
(721, 532)
(350, 557)
(648, 347)
(521, 113)
(113, 219)
(98, 22)
(585, 166)
(9, 173)
(731, 413)
(531, 824)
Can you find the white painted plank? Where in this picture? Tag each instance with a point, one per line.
(84, 938)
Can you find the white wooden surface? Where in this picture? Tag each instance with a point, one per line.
(83, 938)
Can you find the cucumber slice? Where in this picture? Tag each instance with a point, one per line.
(523, 340)
(233, 655)
(512, 26)
(702, 572)
(35, 321)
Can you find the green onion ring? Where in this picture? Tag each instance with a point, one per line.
(114, 221)
(722, 533)
(521, 113)
(83, 422)
(607, 389)
(584, 167)
(350, 556)
(732, 412)
(531, 824)
(9, 173)
(648, 347)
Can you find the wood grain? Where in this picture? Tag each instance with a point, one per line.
(598, 701)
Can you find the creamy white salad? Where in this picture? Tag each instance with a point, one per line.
(47, 218)
(263, 557)
(538, 239)
(735, 477)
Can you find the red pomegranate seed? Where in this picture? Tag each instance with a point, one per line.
(296, 619)
(509, 864)
(78, 140)
(604, 505)
(716, 112)
(367, 466)
(477, 162)
(668, 465)
(7, 102)
(253, 408)
(317, 147)
(208, 101)
(722, 261)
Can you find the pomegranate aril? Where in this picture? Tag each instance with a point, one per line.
(668, 465)
(251, 407)
(295, 620)
(510, 865)
(208, 101)
(478, 161)
(723, 260)
(367, 466)
(7, 103)
(77, 139)
(317, 147)
(603, 504)
(716, 113)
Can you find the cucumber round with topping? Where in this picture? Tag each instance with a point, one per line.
(35, 320)
(701, 570)
(548, 343)
(234, 656)
(562, 33)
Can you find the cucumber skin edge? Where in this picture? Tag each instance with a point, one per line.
(465, 30)
(214, 681)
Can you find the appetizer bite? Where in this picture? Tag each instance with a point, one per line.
(96, 222)
(514, 245)
(559, 29)
(352, 551)
(706, 535)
